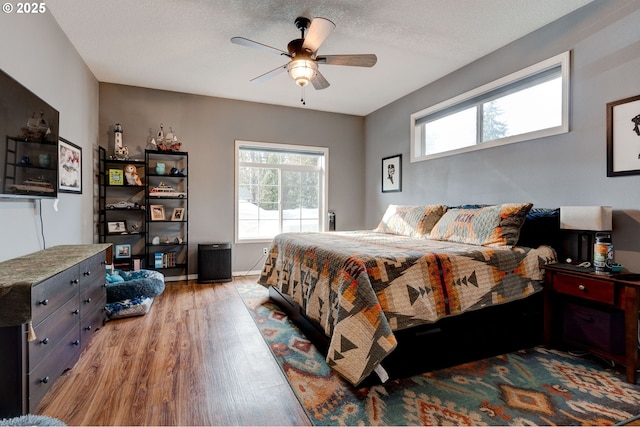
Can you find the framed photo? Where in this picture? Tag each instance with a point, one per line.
(116, 227)
(623, 137)
(392, 174)
(178, 214)
(69, 167)
(116, 177)
(123, 251)
(157, 212)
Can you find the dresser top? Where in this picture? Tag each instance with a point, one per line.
(18, 275)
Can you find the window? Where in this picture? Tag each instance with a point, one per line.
(279, 188)
(531, 103)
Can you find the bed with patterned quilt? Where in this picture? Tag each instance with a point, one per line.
(420, 265)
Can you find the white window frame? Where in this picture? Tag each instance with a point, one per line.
(324, 181)
(562, 60)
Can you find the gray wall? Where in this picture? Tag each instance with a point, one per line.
(568, 169)
(208, 127)
(38, 54)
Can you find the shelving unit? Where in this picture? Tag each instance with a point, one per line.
(122, 211)
(167, 204)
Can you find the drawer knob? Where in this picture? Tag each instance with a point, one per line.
(582, 288)
(45, 341)
(76, 342)
(88, 300)
(76, 311)
(88, 328)
(87, 273)
(44, 380)
(44, 302)
(75, 281)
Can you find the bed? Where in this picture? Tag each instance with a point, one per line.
(422, 266)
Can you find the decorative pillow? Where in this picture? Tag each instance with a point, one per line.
(413, 221)
(497, 225)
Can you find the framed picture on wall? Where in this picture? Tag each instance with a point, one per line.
(623, 137)
(392, 174)
(69, 167)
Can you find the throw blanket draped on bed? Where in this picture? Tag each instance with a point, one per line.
(362, 285)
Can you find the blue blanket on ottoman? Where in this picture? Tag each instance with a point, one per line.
(123, 285)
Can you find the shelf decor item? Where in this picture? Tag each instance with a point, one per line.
(116, 227)
(157, 212)
(123, 251)
(116, 177)
(69, 166)
(178, 214)
(623, 135)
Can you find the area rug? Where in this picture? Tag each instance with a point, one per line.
(529, 387)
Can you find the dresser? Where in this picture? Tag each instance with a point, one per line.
(51, 302)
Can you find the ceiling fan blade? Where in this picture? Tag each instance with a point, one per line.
(319, 82)
(270, 74)
(364, 60)
(319, 30)
(250, 43)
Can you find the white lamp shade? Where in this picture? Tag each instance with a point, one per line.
(302, 71)
(588, 218)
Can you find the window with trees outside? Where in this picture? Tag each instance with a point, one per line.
(529, 104)
(279, 188)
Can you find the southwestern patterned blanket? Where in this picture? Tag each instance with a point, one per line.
(362, 285)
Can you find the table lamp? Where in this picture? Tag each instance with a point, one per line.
(585, 222)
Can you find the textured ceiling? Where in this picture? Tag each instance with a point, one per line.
(183, 45)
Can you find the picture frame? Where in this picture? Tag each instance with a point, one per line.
(69, 167)
(123, 251)
(117, 227)
(157, 212)
(392, 174)
(623, 137)
(116, 177)
(178, 214)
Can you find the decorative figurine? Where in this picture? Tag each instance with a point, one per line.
(168, 142)
(119, 151)
(160, 168)
(131, 175)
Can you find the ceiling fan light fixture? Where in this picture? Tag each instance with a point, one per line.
(302, 71)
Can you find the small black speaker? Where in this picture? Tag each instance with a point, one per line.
(214, 262)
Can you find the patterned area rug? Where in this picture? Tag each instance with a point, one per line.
(529, 387)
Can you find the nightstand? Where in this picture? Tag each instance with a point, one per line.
(593, 312)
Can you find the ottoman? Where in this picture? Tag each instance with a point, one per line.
(131, 293)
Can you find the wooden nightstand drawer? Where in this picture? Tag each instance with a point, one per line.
(583, 287)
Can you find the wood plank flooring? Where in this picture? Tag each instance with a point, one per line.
(196, 358)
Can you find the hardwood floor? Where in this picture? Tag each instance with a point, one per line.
(196, 358)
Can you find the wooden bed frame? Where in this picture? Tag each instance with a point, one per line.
(457, 339)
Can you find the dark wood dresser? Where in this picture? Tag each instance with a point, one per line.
(51, 302)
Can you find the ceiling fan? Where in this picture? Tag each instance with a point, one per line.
(303, 52)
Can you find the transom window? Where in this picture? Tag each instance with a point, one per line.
(279, 188)
(531, 103)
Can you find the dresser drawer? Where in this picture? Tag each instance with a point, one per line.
(62, 358)
(51, 331)
(92, 269)
(48, 295)
(584, 287)
(92, 321)
(91, 295)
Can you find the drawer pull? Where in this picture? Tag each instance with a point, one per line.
(88, 328)
(44, 302)
(76, 342)
(44, 380)
(75, 281)
(582, 288)
(76, 311)
(88, 300)
(45, 341)
(87, 273)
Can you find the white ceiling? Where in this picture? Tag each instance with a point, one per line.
(183, 45)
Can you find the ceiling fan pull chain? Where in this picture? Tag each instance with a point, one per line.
(302, 98)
